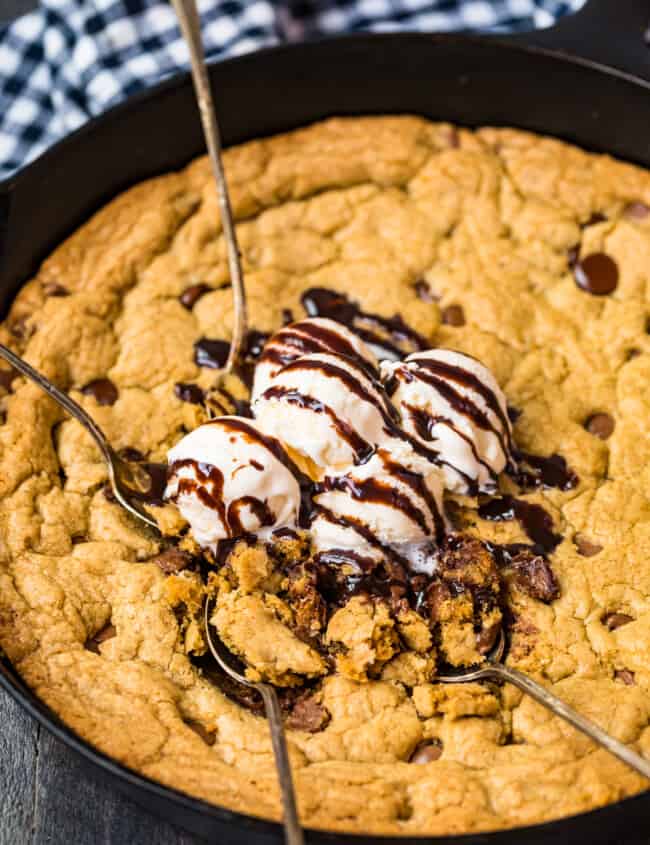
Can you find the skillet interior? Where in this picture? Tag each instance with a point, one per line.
(465, 80)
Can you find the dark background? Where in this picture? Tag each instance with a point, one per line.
(12, 8)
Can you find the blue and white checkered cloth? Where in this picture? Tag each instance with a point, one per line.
(71, 59)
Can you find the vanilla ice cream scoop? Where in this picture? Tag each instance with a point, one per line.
(309, 336)
(327, 408)
(228, 478)
(450, 402)
(391, 504)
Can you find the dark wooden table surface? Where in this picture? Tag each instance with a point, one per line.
(47, 795)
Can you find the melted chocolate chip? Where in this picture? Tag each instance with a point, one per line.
(572, 255)
(600, 425)
(585, 547)
(287, 316)
(632, 353)
(53, 289)
(535, 471)
(612, 621)
(513, 413)
(209, 737)
(106, 633)
(192, 294)
(535, 521)
(211, 354)
(424, 292)
(131, 454)
(596, 217)
(255, 342)
(308, 715)
(191, 393)
(596, 274)
(636, 211)
(172, 561)
(427, 752)
(19, 328)
(453, 315)
(102, 390)
(487, 637)
(7, 377)
(533, 574)
(625, 675)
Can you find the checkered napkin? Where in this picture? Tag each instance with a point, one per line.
(71, 59)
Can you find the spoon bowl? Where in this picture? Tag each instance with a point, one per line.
(493, 669)
(224, 657)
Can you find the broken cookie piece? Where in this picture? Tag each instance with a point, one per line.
(255, 627)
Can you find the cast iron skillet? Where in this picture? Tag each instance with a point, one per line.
(529, 81)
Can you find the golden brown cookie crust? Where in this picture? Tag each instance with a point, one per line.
(369, 206)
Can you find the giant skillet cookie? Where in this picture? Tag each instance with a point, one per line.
(524, 252)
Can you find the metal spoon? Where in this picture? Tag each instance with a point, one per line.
(494, 670)
(292, 829)
(190, 24)
(129, 481)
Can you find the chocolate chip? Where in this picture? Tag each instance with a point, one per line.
(308, 715)
(191, 393)
(107, 491)
(106, 633)
(255, 343)
(626, 676)
(513, 413)
(600, 425)
(103, 390)
(209, 737)
(596, 217)
(572, 255)
(632, 353)
(585, 547)
(287, 316)
(172, 561)
(427, 752)
(211, 354)
(7, 377)
(19, 328)
(596, 274)
(191, 295)
(53, 289)
(424, 292)
(131, 454)
(453, 315)
(534, 576)
(636, 211)
(486, 638)
(616, 620)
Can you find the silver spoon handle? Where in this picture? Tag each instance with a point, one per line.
(560, 708)
(62, 399)
(292, 831)
(190, 23)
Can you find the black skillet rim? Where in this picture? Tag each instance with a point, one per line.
(28, 700)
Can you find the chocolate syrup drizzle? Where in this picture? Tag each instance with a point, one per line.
(388, 335)
(305, 338)
(342, 572)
